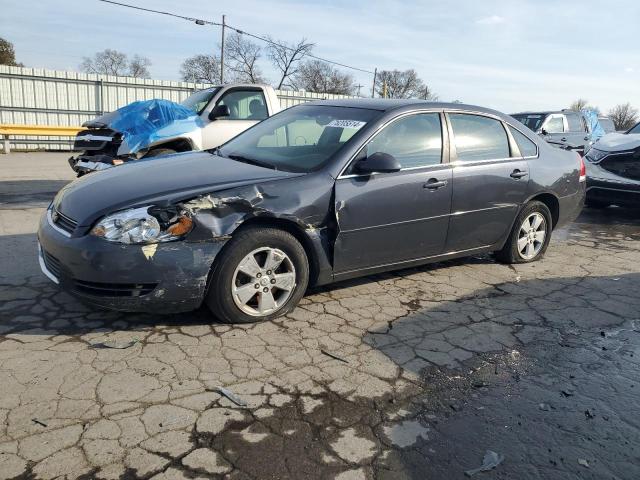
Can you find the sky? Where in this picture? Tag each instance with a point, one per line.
(510, 55)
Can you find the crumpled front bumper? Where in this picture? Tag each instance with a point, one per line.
(83, 164)
(160, 278)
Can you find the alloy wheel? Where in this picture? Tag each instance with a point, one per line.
(532, 235)
(263, 281)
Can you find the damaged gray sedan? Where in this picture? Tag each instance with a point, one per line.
(318, 193)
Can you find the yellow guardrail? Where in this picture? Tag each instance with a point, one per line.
(7, 130)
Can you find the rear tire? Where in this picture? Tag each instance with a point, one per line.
(530, 235)
(159, 152)
(261, 274)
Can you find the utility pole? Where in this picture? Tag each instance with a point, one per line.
(373, 88)
(359, 87)
(222, 51)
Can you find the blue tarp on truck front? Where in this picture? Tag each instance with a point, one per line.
(146, 122)
(591, 116)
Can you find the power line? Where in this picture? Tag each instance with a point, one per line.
(267, 40)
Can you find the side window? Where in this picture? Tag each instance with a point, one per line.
(526, 146)
(575, 123)
(245, 105)
(479, 138)
(415, 141)
(554, 125)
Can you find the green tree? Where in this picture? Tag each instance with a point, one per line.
(8, 54)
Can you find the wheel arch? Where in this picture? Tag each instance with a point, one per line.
(552, 203)
(177, 144)
(291, 227)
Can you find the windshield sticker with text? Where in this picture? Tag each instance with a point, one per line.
(346, 124)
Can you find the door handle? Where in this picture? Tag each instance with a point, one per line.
(587, 138)
(517, 174)
(563, 139)
(434, 184)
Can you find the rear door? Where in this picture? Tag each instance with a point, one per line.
(490, 180)
(247, 106)
(389, 218)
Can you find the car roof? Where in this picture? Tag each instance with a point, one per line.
(388, 104)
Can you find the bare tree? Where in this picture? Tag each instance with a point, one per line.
(286, 57)
(320, 77)
(8, 54)
(107, 62)
(201, 69)
(241, 57)
(579, 104)
(402, 84)
(139, 67)
(624, 116)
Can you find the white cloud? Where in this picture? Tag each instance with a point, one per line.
(491, 20)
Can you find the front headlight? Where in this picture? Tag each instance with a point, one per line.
(594, 155)
(137, 225)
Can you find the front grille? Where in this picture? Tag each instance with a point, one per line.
(52, 263)
(95, 139)
(63, 222)
(99, 289)
(626, 165)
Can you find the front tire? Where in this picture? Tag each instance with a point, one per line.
(261, 274)
(530, 235)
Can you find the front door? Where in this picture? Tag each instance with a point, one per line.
(247, 107)
(390, 218)
(554, 130)
(490, 180)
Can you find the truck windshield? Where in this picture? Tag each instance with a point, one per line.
(198, 100)
(532, 120)
(635, 129)
(299, 139)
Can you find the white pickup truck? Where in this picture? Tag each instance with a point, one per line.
(204, 120)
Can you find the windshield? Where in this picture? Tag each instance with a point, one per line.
(532, 120)
(198, 100)
(607, 125)
(299, 139)
(635, 129)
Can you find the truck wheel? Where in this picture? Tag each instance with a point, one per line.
(159, 152)
(529, 236)
(261, 274)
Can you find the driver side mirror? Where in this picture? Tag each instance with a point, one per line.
(543, 132)
(378, 162)
(219, 111)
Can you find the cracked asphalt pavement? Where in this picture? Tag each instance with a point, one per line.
(410, 374)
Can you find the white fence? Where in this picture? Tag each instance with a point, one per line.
(34, 96)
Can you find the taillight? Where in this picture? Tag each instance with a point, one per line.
(583, 169)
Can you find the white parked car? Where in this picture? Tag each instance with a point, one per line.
(206, 119)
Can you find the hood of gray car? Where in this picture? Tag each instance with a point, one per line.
(160, 180)
(618, 142)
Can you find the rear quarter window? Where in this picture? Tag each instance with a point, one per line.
(526, 146)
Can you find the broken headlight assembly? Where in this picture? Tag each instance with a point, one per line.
(594, 155)
(144, 225)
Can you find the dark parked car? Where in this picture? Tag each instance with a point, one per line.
(566, 129)
(318, 193)
(613, 170)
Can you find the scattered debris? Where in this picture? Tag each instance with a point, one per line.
(568, 391)
(115, 344)
(335, 357)
(544, 406)
(490, 461)
(231, 396)
(38, 422)
(602, 334)
(583, 462)
(589, 414)
(480, 384)
(518, 279)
